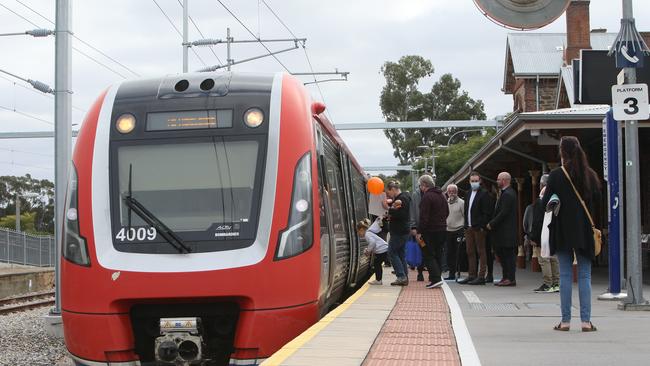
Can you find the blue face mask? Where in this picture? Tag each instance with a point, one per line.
(475, 186)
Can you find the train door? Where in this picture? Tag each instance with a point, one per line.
(327, 243)
(339, 216)
(353, 237)
(327, 240)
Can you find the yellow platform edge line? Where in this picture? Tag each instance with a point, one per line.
(290, 348)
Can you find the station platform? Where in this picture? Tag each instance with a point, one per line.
(386, 325)
(17, 279)
(469, 325)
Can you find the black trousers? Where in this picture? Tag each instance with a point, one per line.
(379, 270)
(489, 255)
(454, 240)
(508, 262)
(432, 252)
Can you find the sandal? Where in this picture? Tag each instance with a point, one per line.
(563, 329)
(590, 328)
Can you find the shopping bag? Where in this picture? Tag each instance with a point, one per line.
(546, 247)
(413, 253)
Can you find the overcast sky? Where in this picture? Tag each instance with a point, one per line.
(354, 35)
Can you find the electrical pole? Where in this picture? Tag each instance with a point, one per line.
(62, 129)
(186, 46)
(17, 212)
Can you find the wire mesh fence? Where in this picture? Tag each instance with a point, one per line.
(22, 248)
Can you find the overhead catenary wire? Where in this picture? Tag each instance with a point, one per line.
(51, 97)
(26, 165)
(26, 115)
(177, 30)
(253, 34)
(201, 34)
(26, 152)
(304, 48)
(74, 48)
(81, 40)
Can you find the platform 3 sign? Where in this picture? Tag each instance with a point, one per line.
(630, 102)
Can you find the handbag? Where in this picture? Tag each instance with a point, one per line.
(598, 236)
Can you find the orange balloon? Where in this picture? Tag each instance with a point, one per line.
(375, 185)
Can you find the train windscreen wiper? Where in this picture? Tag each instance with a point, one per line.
(168, 234)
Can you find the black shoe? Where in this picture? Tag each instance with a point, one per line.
(489, 279)
(542, 288)
(466, 280)
(420, 277)
(450, 278)
(477, 281)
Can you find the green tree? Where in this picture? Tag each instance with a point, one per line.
(451, 159)
(401, 100)
(36, 199)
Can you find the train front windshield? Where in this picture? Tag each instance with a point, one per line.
(203, 189)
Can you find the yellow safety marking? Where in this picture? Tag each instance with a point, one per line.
(283, 353)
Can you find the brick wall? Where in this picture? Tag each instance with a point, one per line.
(525, 95)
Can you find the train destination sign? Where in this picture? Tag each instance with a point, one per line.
(189, 120)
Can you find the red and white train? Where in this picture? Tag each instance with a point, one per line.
(209, 220)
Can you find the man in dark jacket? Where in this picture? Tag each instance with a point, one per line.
(504, 229)
(399, 229)
(478, 211)
(432, 225)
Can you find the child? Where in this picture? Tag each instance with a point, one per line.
(376, 246)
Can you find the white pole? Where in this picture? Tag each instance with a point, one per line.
(62, 128)
(185, 44)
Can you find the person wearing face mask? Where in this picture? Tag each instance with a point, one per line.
(478, 212)
(503, 227)
(455, 225)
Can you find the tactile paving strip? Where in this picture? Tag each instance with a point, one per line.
(418, 331)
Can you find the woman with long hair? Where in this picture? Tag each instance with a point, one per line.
(571, 234)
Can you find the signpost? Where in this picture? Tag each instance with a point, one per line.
(630, 102)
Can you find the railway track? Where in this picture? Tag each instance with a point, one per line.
(26, 302)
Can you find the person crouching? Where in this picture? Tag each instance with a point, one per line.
(376, 246)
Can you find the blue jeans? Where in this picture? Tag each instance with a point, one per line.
(397, 252)
(566, 281)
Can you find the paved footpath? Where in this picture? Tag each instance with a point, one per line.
(386, 325)
(513, 325)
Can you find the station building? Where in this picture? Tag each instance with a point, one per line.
(538, 74)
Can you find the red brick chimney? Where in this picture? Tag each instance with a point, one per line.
(577, 29)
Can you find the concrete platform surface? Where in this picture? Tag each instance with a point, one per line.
(513, 325)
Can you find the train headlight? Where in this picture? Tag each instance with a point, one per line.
(253, 117)
(297, 237)
(74, 245)
(125, 123)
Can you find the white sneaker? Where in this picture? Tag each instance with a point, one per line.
(374, 282)
(434, 285)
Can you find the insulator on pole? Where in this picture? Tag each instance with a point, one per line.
(40, 86)
(39, 32)
(206, 42)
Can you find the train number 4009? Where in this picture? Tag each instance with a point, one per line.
(139, 234)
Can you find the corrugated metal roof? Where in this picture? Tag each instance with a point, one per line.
(567, 78)
(585, 109)
(541, 53)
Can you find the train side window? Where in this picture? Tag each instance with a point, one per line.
(359, 195)
(336, 192)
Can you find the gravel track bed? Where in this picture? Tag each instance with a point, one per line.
(23, 340)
